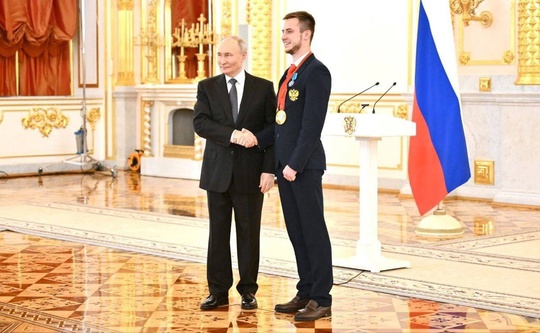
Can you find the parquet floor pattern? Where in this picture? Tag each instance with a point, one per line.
(51, 285)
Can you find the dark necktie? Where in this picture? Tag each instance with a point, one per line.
(233, 96)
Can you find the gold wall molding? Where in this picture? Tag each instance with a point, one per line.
(124, 61)
(260, 18)
(1, 116)
(528, 41)
(45, 120)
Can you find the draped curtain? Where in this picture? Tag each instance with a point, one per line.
(39, 31)
(189, 10)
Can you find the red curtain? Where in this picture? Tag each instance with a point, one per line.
(189, 10)
(40, 30)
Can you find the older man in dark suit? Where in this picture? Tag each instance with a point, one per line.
(232, 109)
(304, 92)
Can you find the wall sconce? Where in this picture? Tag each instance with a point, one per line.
(467, 9)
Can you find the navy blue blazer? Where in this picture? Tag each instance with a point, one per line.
(223, 161)
(298, 140)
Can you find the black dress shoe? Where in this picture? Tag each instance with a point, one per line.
(249, 302)
(313, 311)
(214, 301)
(292, 306)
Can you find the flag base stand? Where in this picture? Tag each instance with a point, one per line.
(439, 225)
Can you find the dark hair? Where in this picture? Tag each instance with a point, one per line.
(307, 22)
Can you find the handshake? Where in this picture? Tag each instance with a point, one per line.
(244, 138)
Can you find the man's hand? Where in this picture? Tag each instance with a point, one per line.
(289, 174)
(267, 182)
(244, 138)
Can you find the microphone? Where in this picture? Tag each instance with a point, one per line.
(364, 105)
(387, 90)
(363, 91)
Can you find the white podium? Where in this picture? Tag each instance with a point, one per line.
(368, 129)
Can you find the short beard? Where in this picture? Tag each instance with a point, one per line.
(293, 50)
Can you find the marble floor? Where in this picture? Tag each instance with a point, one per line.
(51, 285)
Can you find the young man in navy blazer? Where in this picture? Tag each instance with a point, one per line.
(304, 92)
(236, 173)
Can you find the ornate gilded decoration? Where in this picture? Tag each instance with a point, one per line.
(478, 55)
(202, 35)
(508, 57)
(484, 172)
(183, 38)
(178, 151)
(260, 18)
(93, 117)
(485, 84)
(45, 120)
(151, 40)
(349, 124)
(353, 107)
(147, 129)
(464, 58)
(402, 111)
(198, 35)
(467, 10)
(226, 25)
(199, 148)
(528, 41)
(125, 4)
(124, 63)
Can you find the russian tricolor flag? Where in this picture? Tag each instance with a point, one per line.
(438, 161)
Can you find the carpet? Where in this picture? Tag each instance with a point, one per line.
(499, 273)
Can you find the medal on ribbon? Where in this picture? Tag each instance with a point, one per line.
(281, 117)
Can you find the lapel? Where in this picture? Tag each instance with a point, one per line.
(223, 94)
(305, 64)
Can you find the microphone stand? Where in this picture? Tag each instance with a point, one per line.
(377, 101)
(81, 136)
(363, 91)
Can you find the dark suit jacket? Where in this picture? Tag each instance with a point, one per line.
(298, 141)
(212, 120)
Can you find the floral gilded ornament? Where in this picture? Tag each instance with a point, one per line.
(45, 120)
(93, 117)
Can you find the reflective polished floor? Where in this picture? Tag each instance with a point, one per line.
(51, 285)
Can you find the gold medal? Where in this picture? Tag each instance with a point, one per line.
(281, 116)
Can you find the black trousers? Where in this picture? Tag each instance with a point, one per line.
(303, 209)
(247, 215)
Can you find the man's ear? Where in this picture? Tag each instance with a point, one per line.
(307, 35)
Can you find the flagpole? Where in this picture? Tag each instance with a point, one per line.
(439, 224)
